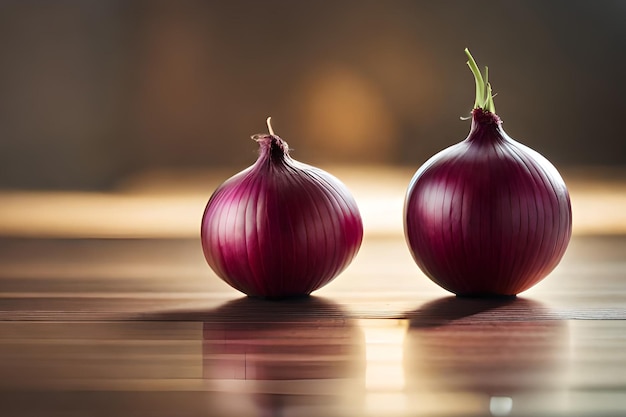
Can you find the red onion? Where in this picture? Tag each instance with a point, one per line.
(280, 228)
(487, 216)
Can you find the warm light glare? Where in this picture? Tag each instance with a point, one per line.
(171, 207)
(384, 345)
(386, 403)
(346, 115)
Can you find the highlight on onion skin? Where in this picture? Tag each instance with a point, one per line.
(487, 216)
(280, 228)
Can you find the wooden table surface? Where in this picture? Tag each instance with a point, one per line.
(107, 308)
(142, 327)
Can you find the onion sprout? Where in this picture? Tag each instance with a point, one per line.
(484, 95)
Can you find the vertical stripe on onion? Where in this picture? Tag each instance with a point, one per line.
(488, 215)
(280, 228)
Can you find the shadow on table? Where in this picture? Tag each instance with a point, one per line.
(497, 348)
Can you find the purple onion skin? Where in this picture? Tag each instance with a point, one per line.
(280, 228)
(487, 216)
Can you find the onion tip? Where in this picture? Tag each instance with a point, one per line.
(269, 125)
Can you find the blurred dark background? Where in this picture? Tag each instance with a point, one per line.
(94, 91)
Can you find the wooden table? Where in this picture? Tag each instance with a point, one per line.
(142, 327)
(107, 308)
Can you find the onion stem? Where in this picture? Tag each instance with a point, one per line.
(269, 126)
(484, 94)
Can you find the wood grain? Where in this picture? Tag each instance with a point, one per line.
(141, 327)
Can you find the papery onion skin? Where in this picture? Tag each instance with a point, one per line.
(487, 216)
(280, 228)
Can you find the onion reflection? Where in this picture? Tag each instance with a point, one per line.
(491, 348)
(276, 356)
